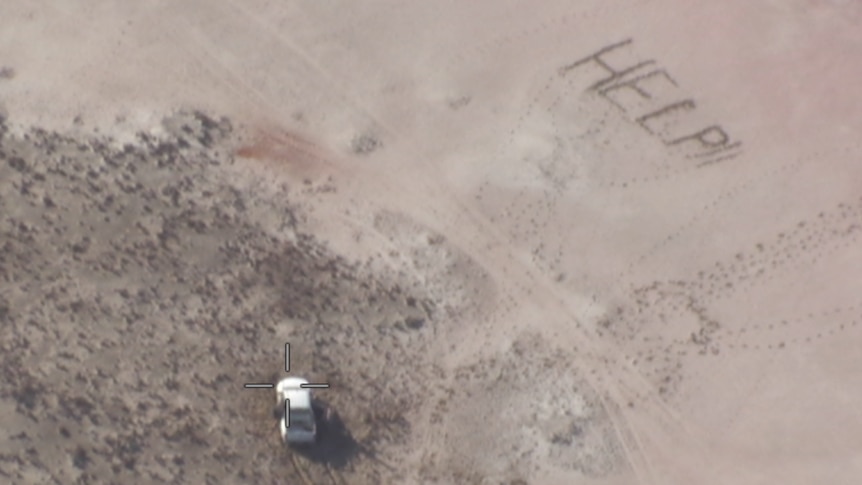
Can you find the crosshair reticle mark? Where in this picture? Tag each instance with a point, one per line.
(259, 386)
(287, 413)
(266, 385)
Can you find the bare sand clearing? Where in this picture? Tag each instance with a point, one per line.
(576, 242)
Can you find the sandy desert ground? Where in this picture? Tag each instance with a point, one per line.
(593, 242)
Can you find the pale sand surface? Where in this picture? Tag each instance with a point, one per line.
(608, 308)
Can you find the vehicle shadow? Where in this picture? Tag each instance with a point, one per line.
(335, 446)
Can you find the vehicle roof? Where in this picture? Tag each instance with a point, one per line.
(290, 383)
(289, 388)
(299, 399)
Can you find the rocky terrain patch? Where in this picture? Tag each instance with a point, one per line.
(140, 288)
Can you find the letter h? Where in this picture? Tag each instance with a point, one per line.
(614, 74)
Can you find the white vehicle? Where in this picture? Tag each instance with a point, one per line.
(297, 424)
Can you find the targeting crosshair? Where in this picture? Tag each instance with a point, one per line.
(297, 421)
